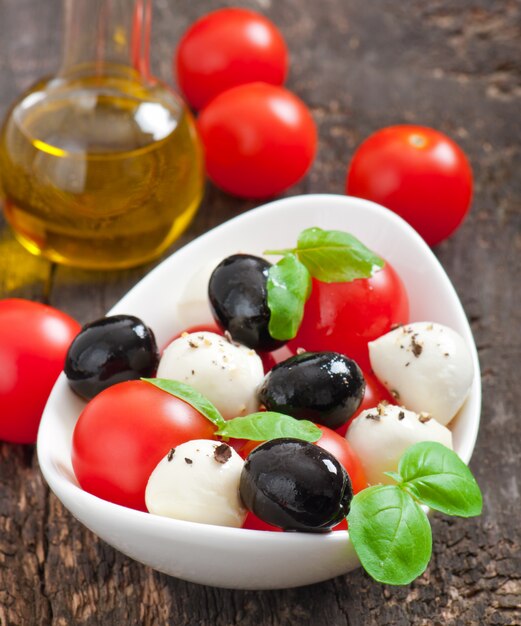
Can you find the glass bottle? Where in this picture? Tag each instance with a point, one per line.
(100, 166)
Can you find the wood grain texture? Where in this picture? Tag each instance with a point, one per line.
(454, 65)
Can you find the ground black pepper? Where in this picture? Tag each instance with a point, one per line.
(416, 347)
(222, 453)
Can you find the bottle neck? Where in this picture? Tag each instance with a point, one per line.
(107, 37)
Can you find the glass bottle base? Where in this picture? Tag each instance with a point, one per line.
(111, 253)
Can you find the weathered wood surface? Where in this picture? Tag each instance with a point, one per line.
(454, 65)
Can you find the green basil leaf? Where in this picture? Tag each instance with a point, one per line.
(268, 425)
(395, 476)
(333, 256)
(192, 396)
(390, 533)
(436, 476)
(289, 286)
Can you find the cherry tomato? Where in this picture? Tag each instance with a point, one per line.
(335, 445)
(124, 432)
(375, 392)
(227, 48)
(252, 522)
(247, 447)
(338, 447)
(342, 526)
(416, 172)
(258, 139)
(344, 317)
(34, 339)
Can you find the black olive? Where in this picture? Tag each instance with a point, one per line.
(238, 299)
(109, 351)
(295, 485)
(324, 387)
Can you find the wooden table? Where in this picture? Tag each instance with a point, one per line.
(454, 65)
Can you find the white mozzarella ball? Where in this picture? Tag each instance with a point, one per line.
(426, 366)
(198, 482)
(381, 435)
(227, 374)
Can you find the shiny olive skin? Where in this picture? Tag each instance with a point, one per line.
(324, 387)
(108, 351)
(295, 485)
(238, 298)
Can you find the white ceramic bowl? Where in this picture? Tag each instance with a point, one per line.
(238, 558)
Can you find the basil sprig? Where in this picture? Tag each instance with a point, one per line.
(328, 255)
(437, 477)
(390, 531)
(261, 426)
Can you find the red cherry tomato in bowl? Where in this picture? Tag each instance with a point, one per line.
(417, 172)
(124, 432)
(227, 48)
(252, 522)
(335, 445)
(258, 140)
(344, 317)
(34, 339)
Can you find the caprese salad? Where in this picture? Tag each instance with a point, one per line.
(309, 399)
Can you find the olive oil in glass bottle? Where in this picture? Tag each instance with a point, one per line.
(101, 166)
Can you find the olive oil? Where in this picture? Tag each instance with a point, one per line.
(99, 171)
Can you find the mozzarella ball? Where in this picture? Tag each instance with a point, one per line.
(227, 374)
(381, 435)
(198, 482)
(426, 366)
